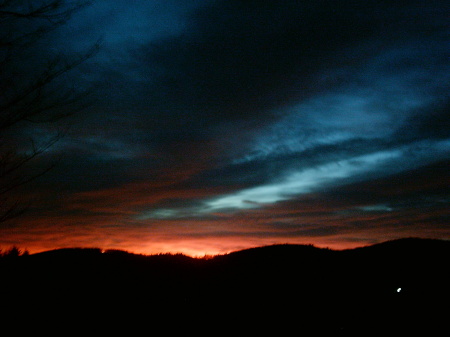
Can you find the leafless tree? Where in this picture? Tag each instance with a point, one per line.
(28, 94)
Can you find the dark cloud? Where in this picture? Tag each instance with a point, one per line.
(428, 180)
(238, 60)
(432, 122)
(233, 69)
(251, 119)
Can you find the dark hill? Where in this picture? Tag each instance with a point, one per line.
(398, 287)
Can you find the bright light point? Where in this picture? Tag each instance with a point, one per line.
(399, 289)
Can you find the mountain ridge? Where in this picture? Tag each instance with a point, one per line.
(401, 285)
(405, 242)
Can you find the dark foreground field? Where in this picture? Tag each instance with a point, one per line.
(393, 288)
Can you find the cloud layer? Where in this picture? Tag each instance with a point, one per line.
(229, 124)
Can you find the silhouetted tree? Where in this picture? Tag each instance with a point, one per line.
(14, 252)
(26, 92)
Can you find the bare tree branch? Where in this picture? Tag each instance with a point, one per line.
(31, 103)
(28, 97)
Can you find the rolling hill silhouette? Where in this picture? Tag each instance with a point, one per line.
(394, 287)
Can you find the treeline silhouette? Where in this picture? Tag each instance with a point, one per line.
(395, 287)
(13, 252)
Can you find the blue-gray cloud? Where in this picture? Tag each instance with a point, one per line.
(268, 102)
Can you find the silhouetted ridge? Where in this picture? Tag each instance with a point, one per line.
(283, 250)
(399, 285)
(405, 244)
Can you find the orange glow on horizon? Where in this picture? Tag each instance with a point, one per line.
(193, 248)
(108, 219)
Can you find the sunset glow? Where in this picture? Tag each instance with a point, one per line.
(205, 127)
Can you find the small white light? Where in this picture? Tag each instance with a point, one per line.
(399, 289)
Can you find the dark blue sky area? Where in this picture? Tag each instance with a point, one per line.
(219, 125)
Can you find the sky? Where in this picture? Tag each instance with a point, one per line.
(214, 126)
